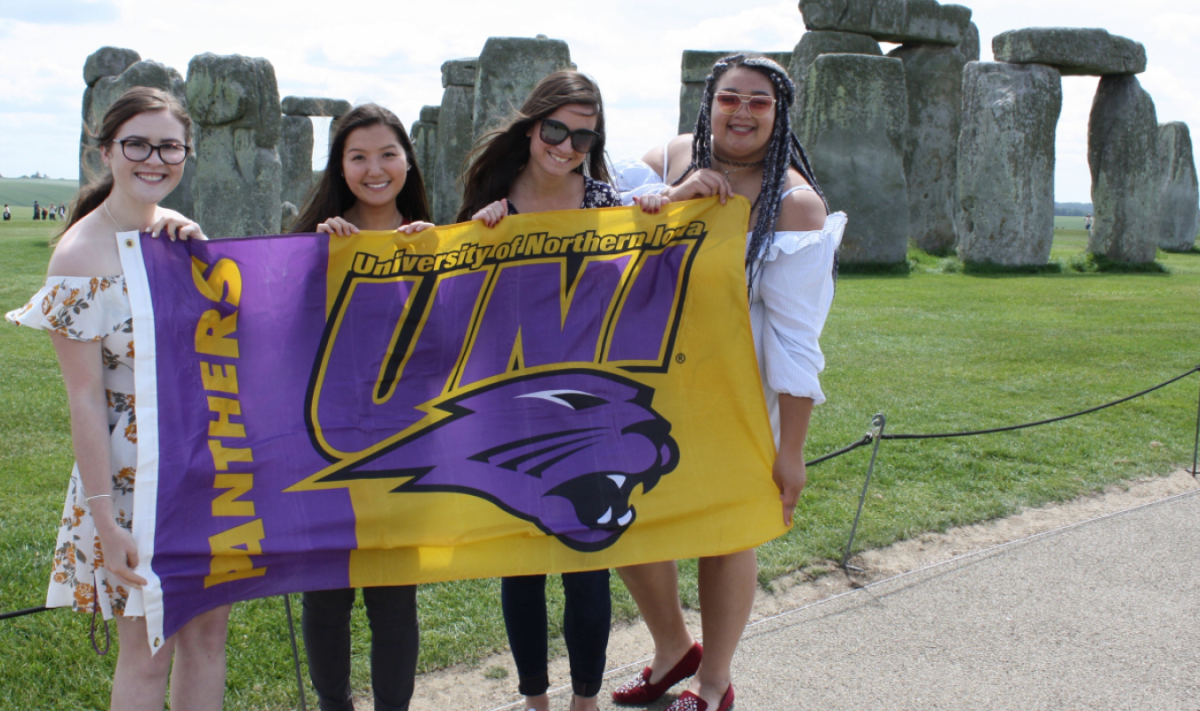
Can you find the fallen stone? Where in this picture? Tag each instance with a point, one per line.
(1179, 211)
(108, 62)
(814, 44)
(969, 48)
(509, 68)
(455, 136)
(697, 65)
(933, 79)
(854, 123)
(295, 158)
(921, 21)
(99, 97)
(1126, 173)
(1074, 51)
(1006, 163)
(314, 106)
(235, 103)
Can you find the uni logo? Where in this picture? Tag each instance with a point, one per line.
(476, 371)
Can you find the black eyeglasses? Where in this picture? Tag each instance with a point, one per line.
(555, 132)
(137, 150)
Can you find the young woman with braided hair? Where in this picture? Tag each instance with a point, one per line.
(742, 145)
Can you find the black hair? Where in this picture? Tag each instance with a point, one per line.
(783, 150)
(331, 196)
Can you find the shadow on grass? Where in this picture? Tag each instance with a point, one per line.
(1088, 263)
(875, 270)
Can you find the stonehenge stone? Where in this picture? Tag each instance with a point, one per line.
(295, 158)
(97, 99)
(455, 136)
(933, 78)
(1074, 51)
(108, 62)
(814, 44)
(921, 21)
(1006, 163)
(696, 66)
(424, 139)
(1126, 173)
(1179, 209)
(234, 101)
(509, 67)
(314, 106)
(970, 48)
(855, 120)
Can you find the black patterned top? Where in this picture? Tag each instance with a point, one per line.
(595, 194)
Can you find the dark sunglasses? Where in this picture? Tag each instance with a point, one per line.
(555, 132)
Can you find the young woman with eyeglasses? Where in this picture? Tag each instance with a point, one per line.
(742, 145)
(143, 140)
(549, 156)
(371, 182)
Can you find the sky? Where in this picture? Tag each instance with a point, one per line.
(391, 52)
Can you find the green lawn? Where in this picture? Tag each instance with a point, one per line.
(935, 350)
(19, 194)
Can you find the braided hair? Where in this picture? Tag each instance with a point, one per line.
(783, 150)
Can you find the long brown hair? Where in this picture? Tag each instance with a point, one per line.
(137, 100)
(331, 196)
(498, 157)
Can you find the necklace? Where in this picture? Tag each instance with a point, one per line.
(110, 216)
(737, 166)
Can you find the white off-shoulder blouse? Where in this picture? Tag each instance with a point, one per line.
(789, 299)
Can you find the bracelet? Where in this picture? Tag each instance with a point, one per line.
(97, 496)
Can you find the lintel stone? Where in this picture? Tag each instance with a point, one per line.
(1073, 51)
(314, 106)
(910, 21)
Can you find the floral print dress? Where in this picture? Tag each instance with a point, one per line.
(93, 309)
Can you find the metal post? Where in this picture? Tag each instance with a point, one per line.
(287, 606)
(878, 422)
(1196, 449)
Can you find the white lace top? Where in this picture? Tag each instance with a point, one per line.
(789, 301)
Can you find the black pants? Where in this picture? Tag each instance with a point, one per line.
(586, 621)
(392, 614)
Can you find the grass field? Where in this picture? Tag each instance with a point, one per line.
(935, 350)
(19, 194)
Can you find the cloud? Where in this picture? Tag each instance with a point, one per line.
(60, 12)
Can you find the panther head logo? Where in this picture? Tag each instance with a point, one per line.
(562, 449)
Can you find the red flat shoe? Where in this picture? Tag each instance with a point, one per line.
(688, 701)
(639, 690)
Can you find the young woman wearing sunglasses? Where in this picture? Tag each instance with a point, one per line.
(549, 156)
(143, 141)
(742, 145)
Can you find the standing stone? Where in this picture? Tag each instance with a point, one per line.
(922, 21)
(314, 106)
(1006, 163)
(424, 139)
(509, 67)
(1179, 211)
(235, 103)
(108, 62)
(814, 44)
(855, 120)
(106, 89)
(455, 136)
(1126, 177)
(1074, 51)
(695, 70)
(295, 158)
(969, 48)
(933, 77)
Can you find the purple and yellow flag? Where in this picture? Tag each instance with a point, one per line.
(568, 391)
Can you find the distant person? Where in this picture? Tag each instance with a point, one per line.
(62, 211)
(53, 212)
(7, 213)
(37, 211)
(45, 214)
(1087, 225)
